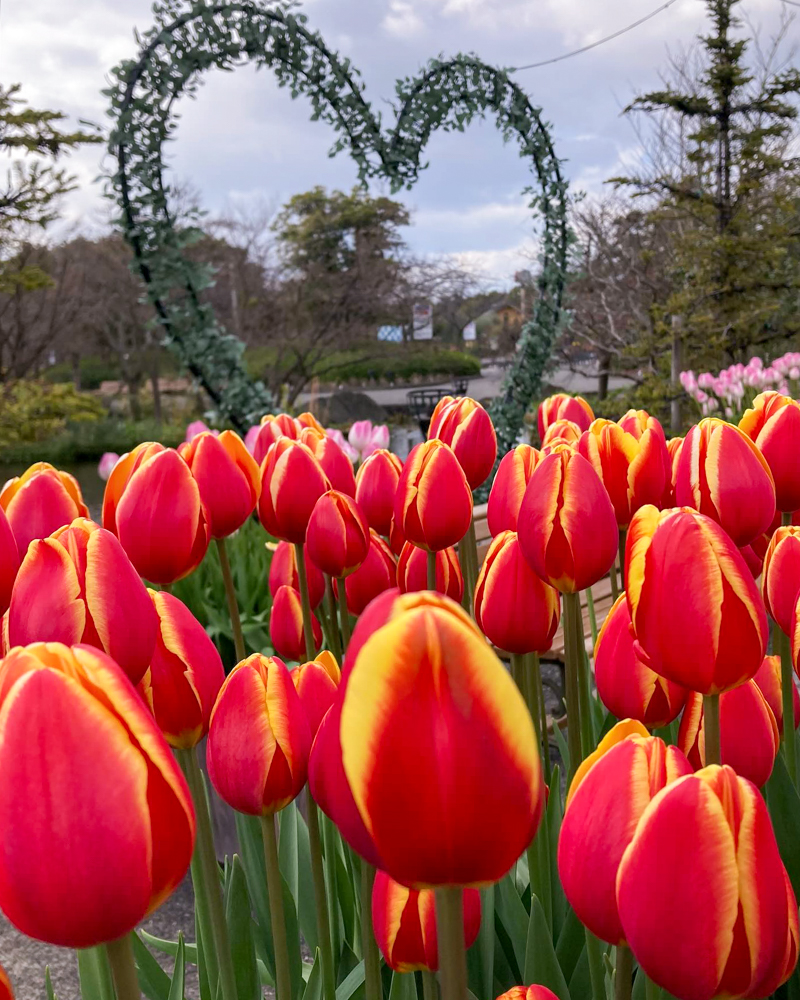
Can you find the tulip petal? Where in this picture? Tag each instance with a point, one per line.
(46, 604)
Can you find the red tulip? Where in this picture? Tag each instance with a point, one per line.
(768, 679)
(9, 562)
(780, 583)
(338, 534)
(752, 560)
(773, 423)
(78, 586)
(510, 482)
(227, 476)
(99, 824)
(376, 485)
(396, 538)
(696, 611)
(6, 992)
(674, 446)
(333, 461)
(425, 687)
(152, 504)
(307, 419)
(463, 424)
(292, 481)
(607, 797)
(625, 684)
(563, 432)
(703, 896)
(283, 572)
(564, 407)
(722, 474)
(316, 683)
(185, 674)
(377, 573)
(259, 740)
(39, 502)
(270, 430)
(286, 625)
(567, 529)
(528, 993)
(404, 921)
(433, 504)
(412, 571)
(514, 608)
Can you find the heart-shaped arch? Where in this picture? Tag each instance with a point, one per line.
(187, 40)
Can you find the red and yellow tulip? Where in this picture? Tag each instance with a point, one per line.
(376, 485)
(283, 572)
(258, 740)
(272, 428)
(286, 625)
(376, 574)
(9, 562)
(98, 824)
(768, 679)
(508, 488)
(462, 423)
(433, 504)
(563, 407)
(773, 423)
(292, 480)
(780, 582)
(316, 683)
(227, 476)
(528, 993)
(39, 502)
(337, 539)
(412, 571)
(333, 461)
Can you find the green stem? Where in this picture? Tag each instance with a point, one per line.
(518, 671)
(330, 604)
(430, 988)
(344, 614)
(787, 697)
(233, 604)
(469, 543)
(623, 534)
(305, 601)
(592, 614)
(331, 843)
(587, 729)
(431, 579)
(651, 990)
(283, 982)
(123, 968)
(711, 728)
(372, 961)
(623, 975)
(450, 934)
(612, 575)
(536, 681)
(205, 879)
(321, 902)
(594, 952)
(572, 610)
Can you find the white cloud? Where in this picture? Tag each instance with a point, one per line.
(402, 21)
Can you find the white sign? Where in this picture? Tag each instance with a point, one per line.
(470, 331)
(423, 321)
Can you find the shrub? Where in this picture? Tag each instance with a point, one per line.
(32, 412)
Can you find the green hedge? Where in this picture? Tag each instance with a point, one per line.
(88, 441)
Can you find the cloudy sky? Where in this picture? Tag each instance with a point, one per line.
(244, 139)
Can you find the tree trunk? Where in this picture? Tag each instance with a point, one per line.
(156, 388)
(602, 376)
(75, 361)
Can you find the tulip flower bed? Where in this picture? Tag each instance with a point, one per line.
(404, 831)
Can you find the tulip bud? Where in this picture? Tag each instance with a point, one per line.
(338, 534)
(768, 679)
(185, 674)
(404, 921)
(412, 572)
(78, 586)
(627, 687)
(98, 824)
(227, 476)
(396, 538)
(307, 419)
(433, 504)
(316, 683)
(514, 608)
(528, 993)
(152, 504)
(723, 475)
(564, 407)
(563, 432)
(748, 732)
(259, 740)
(286, 625)
(376, 485)
(464, 425)
(773, 423)
(9, 562)
(377, 573)
(780, 583)
(752, 560)
(510, 482)
(283, 572)
(423, 687)
(567, 529)
(292, 481)
(608, 795)
(696, 611)
(333, 461)
(39, 502)
(703, 896)
(270, 429)
(633, 470)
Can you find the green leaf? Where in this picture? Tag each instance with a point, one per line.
(404, 986)
(313, 990)
(178, 977)
(514, 919)
(248, 829)
(206, 992)
(240, 932)
(554, 816)
(353, 985)
(784, 808)
(480, 957)
(153, 981)
(541, 964)
(570, 944)
(294, 855)
(580, 982)
(169, 947)
(48, 984)
(94, 973)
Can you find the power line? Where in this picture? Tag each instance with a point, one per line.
(608, 38)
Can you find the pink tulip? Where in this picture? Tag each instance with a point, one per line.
(250, 438)
(107, 462)
(198, 427)
(360, 435)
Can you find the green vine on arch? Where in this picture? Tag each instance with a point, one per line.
(187, 40)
